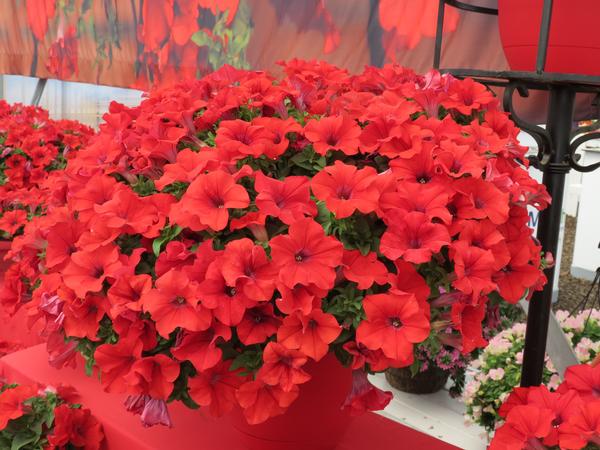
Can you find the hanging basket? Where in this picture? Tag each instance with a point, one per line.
(431, 380)
(574, 41)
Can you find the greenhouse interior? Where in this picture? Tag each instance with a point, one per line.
(299, 225)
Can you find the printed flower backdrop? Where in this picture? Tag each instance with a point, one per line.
(142, 43)
(228, 230)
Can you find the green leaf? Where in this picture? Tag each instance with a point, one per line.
(201, 39)
(22, 439)
(166, 235)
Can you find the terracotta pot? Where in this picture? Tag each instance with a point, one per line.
(313, 422)
(427, 382)
(574, 44)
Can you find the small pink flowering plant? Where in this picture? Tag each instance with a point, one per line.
(499, 365)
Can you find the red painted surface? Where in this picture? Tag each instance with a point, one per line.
(192, 430)
(574, 45)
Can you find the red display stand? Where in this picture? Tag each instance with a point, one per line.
(192, 429)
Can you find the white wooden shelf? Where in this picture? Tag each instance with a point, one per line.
(437, 415)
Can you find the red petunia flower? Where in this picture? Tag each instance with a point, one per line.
(300, 298)
(289, 199)
(407, 279)
(333, 133)
(86, 271)
(430, 199)
(278, 142)
(82, 316)
(311, 334)
(258, 324)
(76, 427)
(215, 388)
(581, 428)
(519, 275)
(154, 376)
(473, 267)
(201, 348)
(115, 361)
(126, 292)
(345, 189)
(261, 401)
(457, 161)
(11, 221)
(412, 237)
(363, 270)
(207, 200)
(480, 200)
(242, 137)
(188, 166)
(364, 396)
(305, 255)
(282, 367)
(61, 241)
(226, 302)
(584, 379)
(525, 427)
(174, 304)
(467, 95)
(563, 407)
(467, 320)
(247, 268)
(11, 403)
(393, 324)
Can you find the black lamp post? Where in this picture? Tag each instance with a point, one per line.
(556, 156)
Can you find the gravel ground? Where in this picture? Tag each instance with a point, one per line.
(571, 290)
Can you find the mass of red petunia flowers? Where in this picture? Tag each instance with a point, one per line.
(227, 231)
(569, 419)
(33, 150)
(46, 417)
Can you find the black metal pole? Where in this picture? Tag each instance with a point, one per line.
(560, 120)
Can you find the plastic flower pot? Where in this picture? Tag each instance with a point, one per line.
(427, 382)
(574, 44)
(315, 420)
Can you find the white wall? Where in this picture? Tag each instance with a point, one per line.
(586, 255)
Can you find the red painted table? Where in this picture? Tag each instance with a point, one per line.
(192, 429)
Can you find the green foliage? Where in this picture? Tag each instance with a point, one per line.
(346, 305)
(167, 234)
(250, 360)
(143, 186)
(29, 431)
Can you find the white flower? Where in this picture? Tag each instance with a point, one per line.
(489, 409)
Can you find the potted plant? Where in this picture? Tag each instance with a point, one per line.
(252, 243)
(499, 365)
(33, 151)
(536, 418)
(32, 148)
